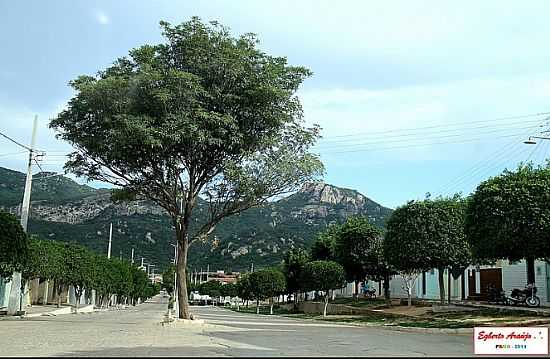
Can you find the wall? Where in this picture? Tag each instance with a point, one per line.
(515, 276)
(5, 288)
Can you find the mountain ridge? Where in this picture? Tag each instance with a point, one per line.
(63, 210)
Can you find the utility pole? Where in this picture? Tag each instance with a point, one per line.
(207, 271)
(15, 300)
(110, 238)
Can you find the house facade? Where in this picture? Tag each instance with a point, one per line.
(473, 282)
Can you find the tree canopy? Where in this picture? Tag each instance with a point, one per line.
(323, 275)
(427, 234)
(14, 245)
(508, 216)
(323, 245)
(293, 263)
(204, 115)
(356, 248)
(266, 283)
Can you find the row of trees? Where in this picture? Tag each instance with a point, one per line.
(507, 217)
(68, 264)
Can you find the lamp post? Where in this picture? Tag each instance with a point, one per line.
(530, 141)
(176, 301)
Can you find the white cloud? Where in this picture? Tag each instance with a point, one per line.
(363, 112)
(101, 17)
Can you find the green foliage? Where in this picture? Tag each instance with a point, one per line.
(323, 246)
(244, 286)
(322, 275)
(266, 283)
(14, 245)
(70, 264)
(508, 216)
(357, 248)
(78, 265)
(229, 290)
(202, 114)
(168, 279)
(212, 288)
(293, 263)
(427, 234)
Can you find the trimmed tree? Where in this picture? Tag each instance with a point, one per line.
(356, 249)
(204, 115)
(426, 234)
(168, 279)
(508, 217)
(266, 283)
(324, 276)
(78, 267)
(293, 263)
(244, 288)
(14, 245)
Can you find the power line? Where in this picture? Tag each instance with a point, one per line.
(12, 154)
(421, 144)
(433, 136)
(446, 125)
(14, 141)
(509, 146)
(403, 133)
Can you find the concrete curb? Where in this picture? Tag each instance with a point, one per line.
(61, 311)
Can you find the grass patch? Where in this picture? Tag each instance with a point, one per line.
(446, 320)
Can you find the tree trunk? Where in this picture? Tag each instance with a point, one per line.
(271, 306)
(182, 275)
(257, 306)
(530, 263)
(77, 304)
(326, 305)
(409, 294)
(387, 288)
(449, 286)
(441, 285)
(59, 289)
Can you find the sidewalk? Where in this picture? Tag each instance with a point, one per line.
(51, 310)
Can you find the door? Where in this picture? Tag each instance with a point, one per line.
(488, 276)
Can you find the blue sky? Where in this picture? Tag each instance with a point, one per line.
(394, 81)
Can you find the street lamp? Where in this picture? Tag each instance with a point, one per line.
(530, 141)
(175, 292)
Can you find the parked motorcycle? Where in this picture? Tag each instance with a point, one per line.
(370, 293)
(525, 296)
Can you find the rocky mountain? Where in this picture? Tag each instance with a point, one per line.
(63, 210)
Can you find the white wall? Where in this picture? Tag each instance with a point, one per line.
(515, 276)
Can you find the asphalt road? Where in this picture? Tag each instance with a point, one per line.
(138, 332)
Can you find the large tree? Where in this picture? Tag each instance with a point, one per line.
(427, 234)
(356, 248)
(508, 217)
(203, 115)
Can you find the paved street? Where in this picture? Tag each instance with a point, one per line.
(138, 332)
